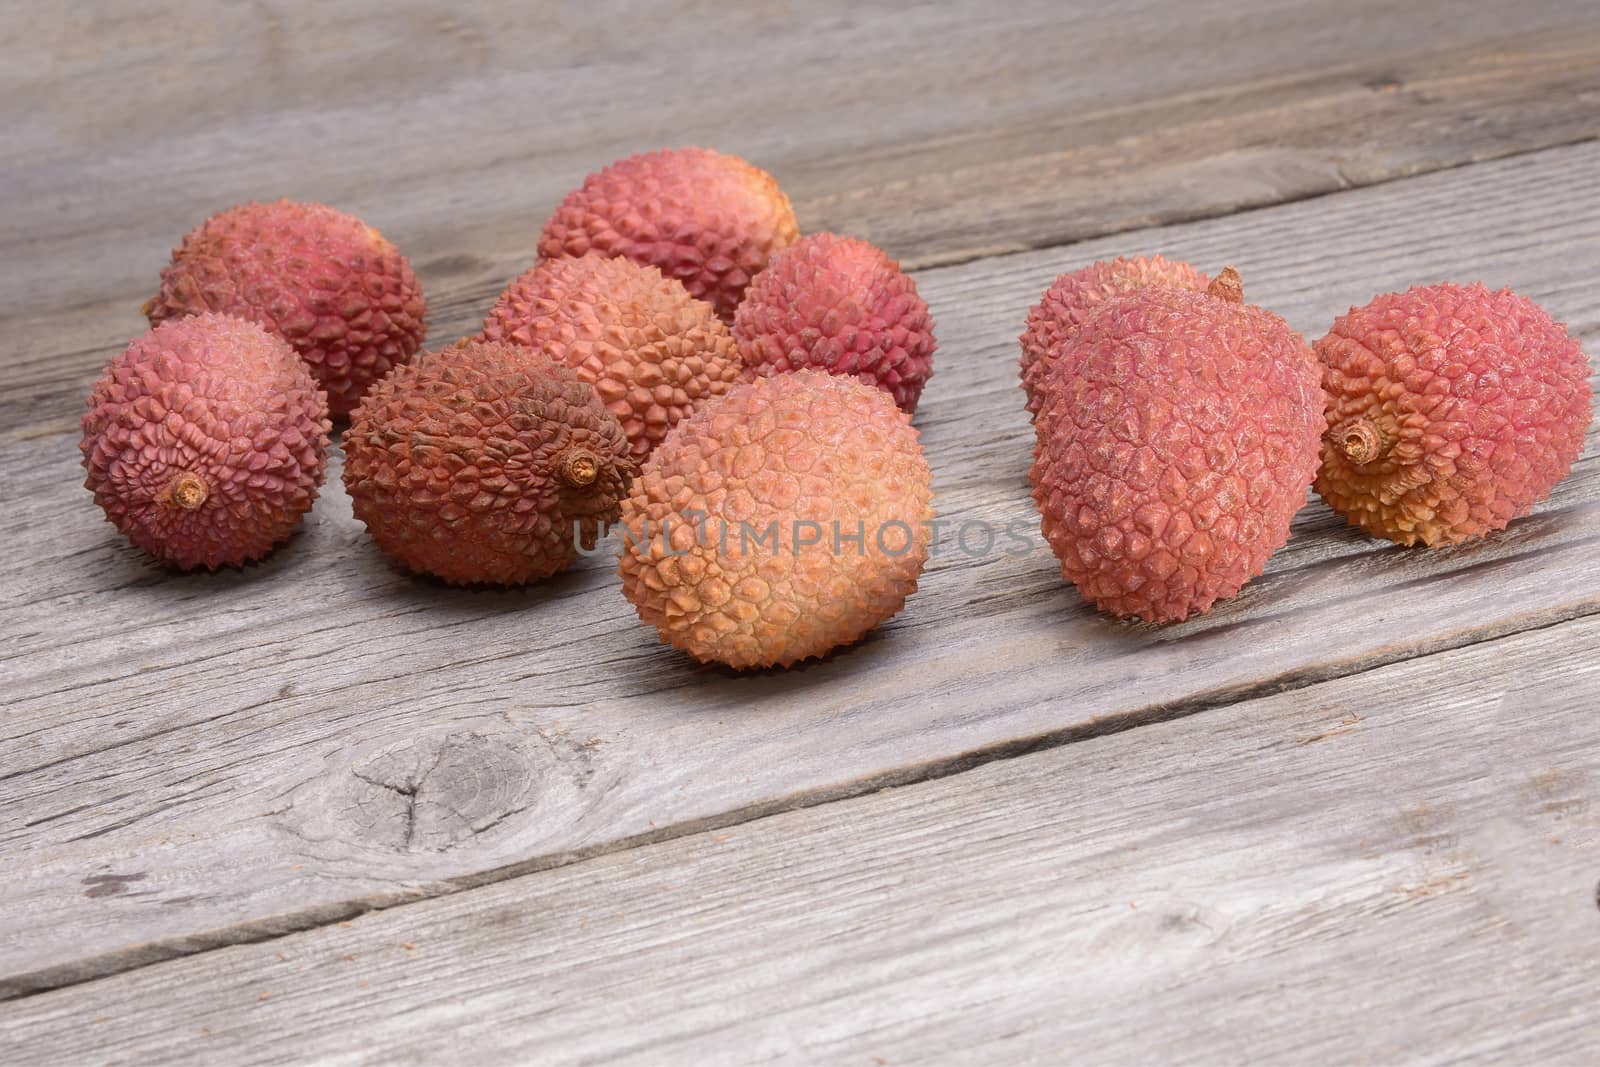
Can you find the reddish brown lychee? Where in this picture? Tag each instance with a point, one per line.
(326, 282)
(652, 351)
(484, 462)
(1451, 411)
(205, 441)
(780, 521)
(1177, 435)
(841, 305)
(1072, 298)
(711, 221)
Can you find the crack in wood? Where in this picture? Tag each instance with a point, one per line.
(439, 791)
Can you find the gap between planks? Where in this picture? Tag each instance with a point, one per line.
(1055, 243)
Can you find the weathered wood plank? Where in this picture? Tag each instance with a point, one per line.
(940, 131)
(1397, 867)
(199, 760)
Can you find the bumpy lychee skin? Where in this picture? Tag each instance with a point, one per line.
(711, 221)
(652, 351)
(485, 463)
(205, 441)
(1451, 411)
(841, 305)
(1177, 435)
(324, 281)
(1072, 298)
(780, 521)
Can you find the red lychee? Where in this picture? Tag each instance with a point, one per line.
(778, 522)
(711, 221)
(1451, 411)
(1177, 435)
(205, 441)
(484, 463)
(651, 350)
(326, 282)
(841, 305)
(1072, 298)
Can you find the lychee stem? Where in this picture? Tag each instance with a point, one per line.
(577, 468)
(188, 491)
(1227, 285)
(1359, 440)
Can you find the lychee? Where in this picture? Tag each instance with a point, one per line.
(1451, 411)
(841, 305)
(651, 350)
(711, 221)
(326, 282)
(1177, 435)
(485, 463)
(1072, 298)
(780, 521)
(205, 441)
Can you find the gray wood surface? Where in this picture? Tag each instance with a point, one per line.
(940, 131)
(1346, 817)
(205, 760)
(1394, 867)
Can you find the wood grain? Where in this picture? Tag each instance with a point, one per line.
(940, 131)
(1396, 867)
(197, 761)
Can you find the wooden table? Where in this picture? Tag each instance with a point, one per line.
(319, 810)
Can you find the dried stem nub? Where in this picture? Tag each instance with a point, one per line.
(188, 491)
(1359, 440)
(577, 468)
(1228, 286)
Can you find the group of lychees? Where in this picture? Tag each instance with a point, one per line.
(1177, 427)
(682, 368)
(679, 362)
